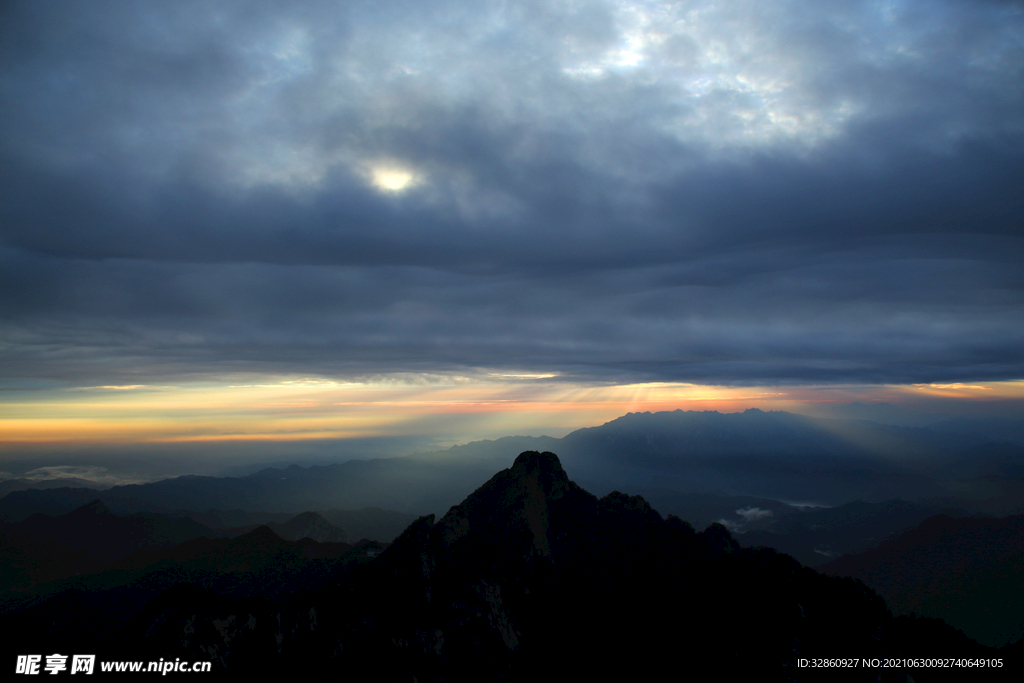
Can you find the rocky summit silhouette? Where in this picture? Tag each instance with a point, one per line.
(533, 577)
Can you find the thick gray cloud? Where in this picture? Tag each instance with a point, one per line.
(716, 192)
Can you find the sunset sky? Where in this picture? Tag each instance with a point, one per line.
(246, 221)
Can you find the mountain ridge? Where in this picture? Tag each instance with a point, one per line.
(775, 455)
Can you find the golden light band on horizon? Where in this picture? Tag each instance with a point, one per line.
(314, 408)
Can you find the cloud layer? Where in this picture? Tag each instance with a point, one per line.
(724, 192)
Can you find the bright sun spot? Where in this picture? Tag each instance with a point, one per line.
(390, 179)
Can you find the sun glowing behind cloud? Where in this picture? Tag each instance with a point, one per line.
(392, 179)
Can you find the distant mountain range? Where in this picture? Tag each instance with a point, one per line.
(530, 576)
(20, 484)
(766, 455)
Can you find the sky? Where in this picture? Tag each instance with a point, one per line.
(251, 221)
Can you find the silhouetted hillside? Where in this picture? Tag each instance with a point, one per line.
(968, 572)
(87, 609)
(43, 548)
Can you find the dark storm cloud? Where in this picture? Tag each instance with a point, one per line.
(721, 193)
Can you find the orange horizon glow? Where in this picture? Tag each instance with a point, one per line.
(314, 408)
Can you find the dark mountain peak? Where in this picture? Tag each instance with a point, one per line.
(630, 521)
(95, 508)
(307, 517)
(531, 460)
(514, 502)
(312, 525)
(261, 534)
(618, 502)
(719, 538)
(542, 468)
